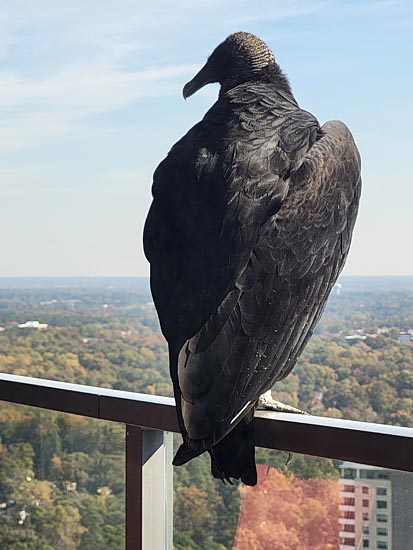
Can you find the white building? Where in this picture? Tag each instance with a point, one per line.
(33, 324)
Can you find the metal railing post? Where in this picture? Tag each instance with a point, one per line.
(133, 488)
(149, 513)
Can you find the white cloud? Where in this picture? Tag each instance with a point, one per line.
(66, 64)
(70, 63)
(77, 60)
(32, 110)
(95, 90)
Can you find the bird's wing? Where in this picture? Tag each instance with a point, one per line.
(255, 335)
(212, 195)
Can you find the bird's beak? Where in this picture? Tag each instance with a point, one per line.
(203, 77)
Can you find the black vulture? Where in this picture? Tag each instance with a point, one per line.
(250, 225)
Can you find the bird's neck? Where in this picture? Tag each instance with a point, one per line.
(276, 77)
(271, 74)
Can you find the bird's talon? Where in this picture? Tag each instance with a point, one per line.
(267, 403)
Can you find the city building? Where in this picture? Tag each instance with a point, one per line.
(376, 508)
(33, 324)
(405, 338)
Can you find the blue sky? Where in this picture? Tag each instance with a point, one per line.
(90, 102)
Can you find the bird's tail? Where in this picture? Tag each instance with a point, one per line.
(234, 456)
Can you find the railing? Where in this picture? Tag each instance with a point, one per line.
(149, 421)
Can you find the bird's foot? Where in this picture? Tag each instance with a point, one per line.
(267, 403)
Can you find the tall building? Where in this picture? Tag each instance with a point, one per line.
(376, 510)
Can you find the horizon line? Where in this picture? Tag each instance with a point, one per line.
(147, 276)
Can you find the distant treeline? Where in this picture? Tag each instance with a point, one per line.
(350, 283)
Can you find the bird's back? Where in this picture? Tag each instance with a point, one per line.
(214, 191)
(250, 226)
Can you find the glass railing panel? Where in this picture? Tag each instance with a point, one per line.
(205, 510)
(301, 502)
(61, 481)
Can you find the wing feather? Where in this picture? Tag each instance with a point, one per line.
(250, 225)
(212, 194)
(282, 290)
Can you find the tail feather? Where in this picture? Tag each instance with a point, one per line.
(187, 452)
(234, 456)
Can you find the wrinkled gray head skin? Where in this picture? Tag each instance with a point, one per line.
(238, 59)
(250, 53)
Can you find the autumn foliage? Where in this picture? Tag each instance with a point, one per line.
(287, 513)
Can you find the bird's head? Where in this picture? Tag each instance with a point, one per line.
(240, 58)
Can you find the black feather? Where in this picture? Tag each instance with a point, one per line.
(250, 225)
(234, 456)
